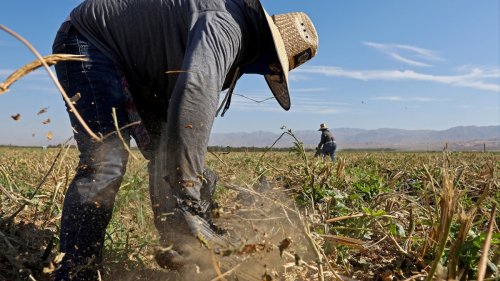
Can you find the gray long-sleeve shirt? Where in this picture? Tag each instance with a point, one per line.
(326, 136)
(147, 38)
(200, 42)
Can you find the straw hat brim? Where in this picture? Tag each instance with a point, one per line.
(279, 88)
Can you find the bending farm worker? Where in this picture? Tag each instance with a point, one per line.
(163, 63)
(327, 145)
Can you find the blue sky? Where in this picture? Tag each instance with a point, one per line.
(381, 64)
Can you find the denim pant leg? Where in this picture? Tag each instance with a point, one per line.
(90, 197)
(334, 149)
(329, 149)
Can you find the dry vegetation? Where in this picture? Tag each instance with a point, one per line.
(370, 216)
(373, 215)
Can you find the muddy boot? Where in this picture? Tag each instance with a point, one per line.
(190, 251)
(175, 238)
(168, 258)
(190, 230)
(187, 260)
(187, 241)
(208, 205)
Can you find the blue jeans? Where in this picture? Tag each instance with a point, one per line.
(89, 201)
(329, 149)
(90, 197)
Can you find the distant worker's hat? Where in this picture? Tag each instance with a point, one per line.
(296, 41)
(323, 126)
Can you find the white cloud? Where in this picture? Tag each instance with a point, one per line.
(466, 106)
(406, 53)
(400, 98)
(475, 78)
(389, 98)
(308, 90)
(318, 99)
(409, 61)
(295, 77)
(424, 99)
(321, 111)
(428, 54)
(486, 72)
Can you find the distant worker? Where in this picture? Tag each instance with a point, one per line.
(327, 145)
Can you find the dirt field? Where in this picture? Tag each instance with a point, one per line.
(368, 216)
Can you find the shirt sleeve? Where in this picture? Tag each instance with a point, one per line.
(322, 140)
(212, 48)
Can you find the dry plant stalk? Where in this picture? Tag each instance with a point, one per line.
(448, 203)
(216, 267)
(221, 276)
(32, 66)
(115, 119)
(222, 161)
(466, 220)
(319, 256)
(486, 247)
(7, 193)
(345, 217)
(56, 82)
(341, 168)
(346, 241)
(11, 217)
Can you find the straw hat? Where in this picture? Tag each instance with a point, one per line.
(323, 126)
(296, 41)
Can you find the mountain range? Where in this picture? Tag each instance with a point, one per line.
(462, 138)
